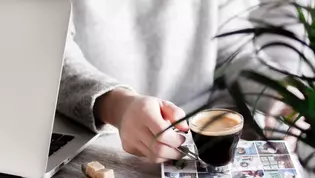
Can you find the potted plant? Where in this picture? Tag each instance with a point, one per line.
(303, 103)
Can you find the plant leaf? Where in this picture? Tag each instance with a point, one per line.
(290, 124)
(257, 100)
(234, 54)
(288, 97)
(282, 132)
(240, 102)
(297, 83)
(279, 43)
(265, 95)
(293, 123)
(311, 103)
(258, 31)
(309, 26)
(262, 4)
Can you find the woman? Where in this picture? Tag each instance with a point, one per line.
(139, 65)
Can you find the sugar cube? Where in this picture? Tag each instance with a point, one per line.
(93, 167)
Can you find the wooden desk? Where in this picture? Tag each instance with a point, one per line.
(108, 151)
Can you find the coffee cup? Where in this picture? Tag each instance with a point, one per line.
(216, 133)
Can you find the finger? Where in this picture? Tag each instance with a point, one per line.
(150, 155)
(302, 124)
(173, 113)
(296, 92)
(277, 108)
(163, 151)
(159, 149)
(286, 111)
(272, 123)
(168, 137)
(156, 124)
(292, 141)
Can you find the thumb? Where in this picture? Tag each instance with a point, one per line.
(173, 113)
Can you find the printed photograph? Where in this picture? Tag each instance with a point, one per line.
(273, 148)
(276, 162)
(179, 175)
(180, 166)
(212, 175)
(283, 173)
(222, 170)
(189, 168)
(249, 174)
(245, 149)
(244, 163)
(252, 160)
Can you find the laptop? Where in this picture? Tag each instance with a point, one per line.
(35, 141)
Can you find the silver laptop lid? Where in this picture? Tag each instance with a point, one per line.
(32, 41)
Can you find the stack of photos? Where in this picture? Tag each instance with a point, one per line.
(253, 159)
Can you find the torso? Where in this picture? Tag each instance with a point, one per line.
(160, 48)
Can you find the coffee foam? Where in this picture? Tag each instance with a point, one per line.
(233, 123)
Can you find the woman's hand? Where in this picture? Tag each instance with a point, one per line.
(139, 118)
(280, 109)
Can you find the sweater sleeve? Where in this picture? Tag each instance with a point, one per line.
(81, 84)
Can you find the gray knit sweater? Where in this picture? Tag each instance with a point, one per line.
(159, 48)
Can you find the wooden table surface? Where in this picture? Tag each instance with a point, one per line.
(108, 151)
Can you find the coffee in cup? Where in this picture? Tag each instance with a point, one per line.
(216, 133)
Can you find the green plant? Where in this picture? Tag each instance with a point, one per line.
(302, 107)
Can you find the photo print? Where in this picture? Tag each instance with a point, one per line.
(249, 174)
(246, 163)
(276, 162)
(203, 171)
(245, 149)
(179, 175)
(283, 173)
(213, 175)
(180, 166)
(253, 159)
(273, 148)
